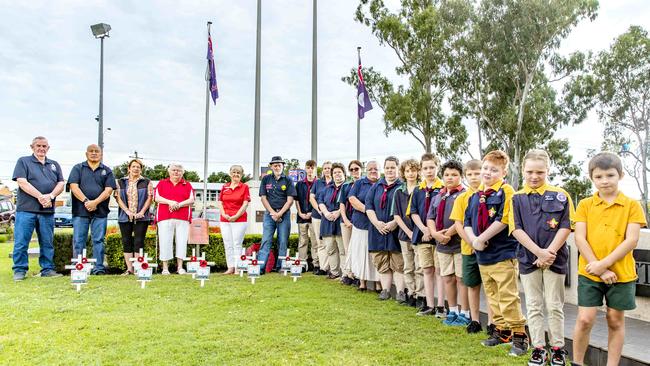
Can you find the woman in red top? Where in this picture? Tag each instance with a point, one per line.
(233, 201)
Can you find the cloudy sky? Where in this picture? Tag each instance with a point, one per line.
(154, 89)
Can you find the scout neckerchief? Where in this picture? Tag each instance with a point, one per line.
(348, 205)
(440, 214)
(335, 192)
(309, 184)
(387, 187)
(483, 213)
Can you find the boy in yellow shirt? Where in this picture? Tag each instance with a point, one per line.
(606, 231)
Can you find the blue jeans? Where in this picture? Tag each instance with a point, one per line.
(97, 226)
(26, 222)
(269, 227)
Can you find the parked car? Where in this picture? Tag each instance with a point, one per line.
(7, 213)
(213, 215)
(63, 216)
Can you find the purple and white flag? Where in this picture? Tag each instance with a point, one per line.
(363, 99)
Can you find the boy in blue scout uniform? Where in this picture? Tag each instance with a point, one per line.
(91, 184)
(541, 222)
(277, 192)
(329, 200)
(486, 221)
(306, 231)
(316, 218)
(39, 180)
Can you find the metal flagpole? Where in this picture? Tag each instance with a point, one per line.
(358, 119)
(207, 132)
(258, 52)
(314, 88)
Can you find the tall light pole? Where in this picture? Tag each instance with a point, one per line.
(258, 54)
(314, 87)
(101, 31)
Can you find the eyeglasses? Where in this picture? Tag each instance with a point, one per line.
(354, 169)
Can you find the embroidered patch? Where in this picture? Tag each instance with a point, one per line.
(548, 198)
(492, 212)
(284, 188)
(561, 197)
(103, 172)
(53, 167)
(268, 186)
(552, 223)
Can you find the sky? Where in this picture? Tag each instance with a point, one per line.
(154, 81)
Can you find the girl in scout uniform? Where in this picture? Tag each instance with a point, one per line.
(316, 189)
(354, 167)
(330, 228)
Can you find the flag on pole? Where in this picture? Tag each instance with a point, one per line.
(213, 76)
(363, 99)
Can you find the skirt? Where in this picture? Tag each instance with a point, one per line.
(359, 260)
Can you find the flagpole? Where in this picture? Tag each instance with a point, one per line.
(358, 119)
(314, 86)
(207, 132)
(256, 130)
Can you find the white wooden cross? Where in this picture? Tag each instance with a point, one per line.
(242, 262)
(143, 269)
(203, 270)
(254, 267)
(80, 269)
(192, 263)
(292, 265)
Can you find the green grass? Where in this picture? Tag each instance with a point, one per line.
(44, 321)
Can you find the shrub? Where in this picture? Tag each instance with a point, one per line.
(115, 258)
(3, 238)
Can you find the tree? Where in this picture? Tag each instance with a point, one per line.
(617, 83)
(220, 177)
(290, 164)
(421, 34)
(157, 172)
(503, 82)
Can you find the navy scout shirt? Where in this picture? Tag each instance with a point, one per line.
(277, 190)
(331, 198)
(400, 202)
(303, 188)
(502, 246)
(418, 205)
(316, 189)
(44, 177)
(359, 190)
(376, 241)
(541, 213)
(453, 245)
(345, 191)
(92, 183)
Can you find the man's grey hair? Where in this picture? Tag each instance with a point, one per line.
(36, 139)
(175, 165)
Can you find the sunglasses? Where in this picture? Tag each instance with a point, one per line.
(354, 169)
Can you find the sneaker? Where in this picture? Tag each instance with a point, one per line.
(558, 357)
(539, 357)
(474, 327)
(412, 301)
(49, 273)
(19, 276)
(322, 273)
(333, 276)
(420, 302)
(440, 312)
(490, 329)
(316, 270)
(384, 295)
(519, 344)
(401, 298)
(345, 280)
(182, 271)
(426, 311)
(461, 321)
(98, 273)
(450, 318)
(498, 337)
(165, 272)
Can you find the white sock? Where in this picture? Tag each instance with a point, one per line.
(453, 309)
(465, 313)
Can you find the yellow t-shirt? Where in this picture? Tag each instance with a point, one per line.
(458, 214)
(606, 227)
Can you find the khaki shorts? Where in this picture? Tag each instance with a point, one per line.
(386, 261)
(450, 264)
(426, 255)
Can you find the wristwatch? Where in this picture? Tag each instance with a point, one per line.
(86, 200)
(52, 197)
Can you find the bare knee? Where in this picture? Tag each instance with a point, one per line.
(585, 321)
(615, 320)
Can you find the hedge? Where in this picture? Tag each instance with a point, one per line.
(115, 259)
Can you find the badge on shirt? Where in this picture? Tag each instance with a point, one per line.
(103, 172)
(552, 223)
(269, 187)
(561, 197)
(548, 198)
(283, 187)
(492, 212)
(53, 167)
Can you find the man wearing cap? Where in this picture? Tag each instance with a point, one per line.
(91, 184)
(39, 182)
(277, 192)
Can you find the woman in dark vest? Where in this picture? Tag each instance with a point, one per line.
(134, 194)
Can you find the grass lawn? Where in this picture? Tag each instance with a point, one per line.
(44, 321)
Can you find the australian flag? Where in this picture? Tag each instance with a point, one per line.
(213, 76)
(363, 99)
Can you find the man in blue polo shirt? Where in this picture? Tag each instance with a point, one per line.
(277, 192)
(91, 184)
(39, 182)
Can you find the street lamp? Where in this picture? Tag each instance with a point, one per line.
(101, 31)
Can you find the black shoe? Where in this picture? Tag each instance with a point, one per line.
(426, 311)
(346, 280)
(420, 303)
(322, 273)
(519, 344)
(539, 357)
(316, 270)
(498, 337)
(440, 312)
(490, 329)
(49, 273)
(362, 289)
(401, 298)
(474, 327)
(356, 282)
(412, 301)
(558, 356)
(333, 276)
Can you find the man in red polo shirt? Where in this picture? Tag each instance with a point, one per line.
(175, 197)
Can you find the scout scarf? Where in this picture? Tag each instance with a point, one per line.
(335, 192)
(440, 214)
(382, 201)
(483, 213)
(309, 184)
